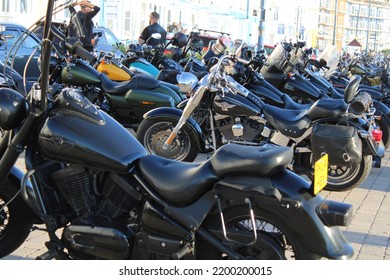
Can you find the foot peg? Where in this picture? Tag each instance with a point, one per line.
(53, 251)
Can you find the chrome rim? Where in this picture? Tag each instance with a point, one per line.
(156, 136)
(341, 175)
(4, 217)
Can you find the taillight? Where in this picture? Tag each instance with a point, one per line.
(377, 135)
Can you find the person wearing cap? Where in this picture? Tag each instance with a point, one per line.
(81, 22)
(153, 27)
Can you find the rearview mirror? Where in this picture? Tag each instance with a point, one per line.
(323, 62)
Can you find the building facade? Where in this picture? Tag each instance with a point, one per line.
(318, 22)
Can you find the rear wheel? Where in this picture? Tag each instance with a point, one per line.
(152, 133)
(275, 241)
(343, 178)
(13, 228)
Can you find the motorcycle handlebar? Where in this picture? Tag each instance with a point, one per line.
(73, 45)
(83, 53)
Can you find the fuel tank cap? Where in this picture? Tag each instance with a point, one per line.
(76, 95)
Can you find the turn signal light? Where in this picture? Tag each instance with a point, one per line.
(335, 213)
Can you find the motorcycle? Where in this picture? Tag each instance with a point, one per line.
(180, 70)
(221, 111)
(88, 176)
(126, 101)
(315, 72)
(288, 71)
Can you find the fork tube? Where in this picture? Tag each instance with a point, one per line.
(190, 107)
(213, 130)
(4, 142)
(16, 147)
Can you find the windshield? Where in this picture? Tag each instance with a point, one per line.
(331, 56)
(276, 61)
(297, 56)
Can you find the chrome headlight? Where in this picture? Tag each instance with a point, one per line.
(186, 81)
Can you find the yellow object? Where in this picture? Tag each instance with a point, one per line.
(320, 174)
(113, 72)
(375, 81)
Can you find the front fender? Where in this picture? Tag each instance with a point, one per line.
(12, 185)
(175, 113)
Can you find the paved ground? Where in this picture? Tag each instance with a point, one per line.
(369, 231)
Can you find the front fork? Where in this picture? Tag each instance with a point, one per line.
(187, 111)
(12, 145)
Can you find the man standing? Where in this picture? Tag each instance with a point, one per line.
(153, 27)
(82, 24)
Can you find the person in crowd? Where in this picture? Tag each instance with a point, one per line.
(82, 24)
(153, 27)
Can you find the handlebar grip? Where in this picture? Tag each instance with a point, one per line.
(83, 53)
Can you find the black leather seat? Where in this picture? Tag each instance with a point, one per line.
(136, 82)
(292, 123)
(182, 183)
(327, 108)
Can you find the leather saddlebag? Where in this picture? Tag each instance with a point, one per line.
(341, 143)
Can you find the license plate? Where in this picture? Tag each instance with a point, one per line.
(320, 174)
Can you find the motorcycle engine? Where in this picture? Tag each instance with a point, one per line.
(105, 208)
(239, 128)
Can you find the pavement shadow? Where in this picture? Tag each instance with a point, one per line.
(367, 238)
(372, 183)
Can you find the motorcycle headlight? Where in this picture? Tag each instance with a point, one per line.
(13, 108)
(186, 81)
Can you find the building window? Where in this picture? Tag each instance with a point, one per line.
(5, 6)
(380, 13)
(23, 6)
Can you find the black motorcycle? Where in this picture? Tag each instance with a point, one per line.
(289, 70)
(221, 111)
(88, 176)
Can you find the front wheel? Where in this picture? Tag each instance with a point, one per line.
(152, 134)
(13, 228)
(276, 240)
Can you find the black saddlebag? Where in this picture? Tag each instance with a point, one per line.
(341, 143)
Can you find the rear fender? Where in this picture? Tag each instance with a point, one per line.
(287, 196)
(381, 109)
(370, 147)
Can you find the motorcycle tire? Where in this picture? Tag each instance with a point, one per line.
(152, 134)
(275, 239)
(14, 230)
(342, 178)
